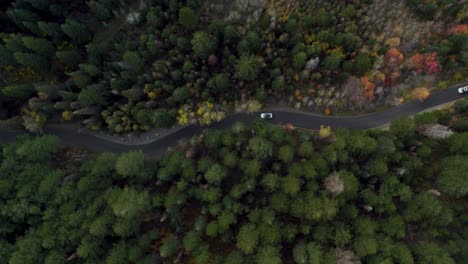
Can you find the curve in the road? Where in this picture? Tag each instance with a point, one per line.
(70, 134)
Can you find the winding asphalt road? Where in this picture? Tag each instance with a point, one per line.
(70, 133)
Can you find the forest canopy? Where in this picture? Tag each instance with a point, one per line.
(253, 193)
(128, 66)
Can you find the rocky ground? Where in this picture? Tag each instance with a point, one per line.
(246, 12)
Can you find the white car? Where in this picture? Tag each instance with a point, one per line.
(266, 115)
(463, 89)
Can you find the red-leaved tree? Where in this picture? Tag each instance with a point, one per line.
(458, 29)
(432, 64)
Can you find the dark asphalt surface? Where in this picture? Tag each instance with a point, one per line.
(70, 133)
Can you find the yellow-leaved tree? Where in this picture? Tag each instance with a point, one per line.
(324, 131)
(420, 94)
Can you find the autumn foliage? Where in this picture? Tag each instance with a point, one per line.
(392, 78)
(428, 63)
(458, 29)
(324, 131)
(393, 57)
(393, 61)
(416, 63)
(368, 88)
(420, 94)
(432, 64)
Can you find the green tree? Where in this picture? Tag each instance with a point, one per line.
(458, 144)
(75, 30)
(270, 182)
(360, 144)
(225, 220)
(55, 257)
(49, 28)
(219, 83)
(394, 226)
(191, 240)
(202, 44)
(92, 95)
(39, 45)
(291, 185)
(144, 117)
(260, 148)
(349, 11)
(365, 226)
(180, 94)
(320, 208)
(235, 257)
(6, 58)
(170, 245)
(19, 91)
(300, 253)
(187, 17)
(426, 253)
(154, 17)
(39, 149)
(35, 61)
(251, 168)
(90, 69)
(14, 42)
(127, 202)
(322, 18)
(359, 66)
(215, 174)
(133, 94)
(307, 253)
(278, 83)
(247, 238)
(130, 164)
(332, 62)
(247, 67)
(88, 248)
(268, 255)
(126, 227)
(306, 149)
(132, 58)
(279, 202)
(230, 160)
(80, 79)
(402, 254)
(364, 245)
(251, 44)
(377, 166)
(70, 58)
(163, 118)
(101, 9)
(426, 118)
(118, 254)
(212, 229)
(351, 184)
(403, 128)
(286, 154)
(299, 60)
(101, 226)
(28, 250)
(454, 179)
(422, 206)
(342, 235)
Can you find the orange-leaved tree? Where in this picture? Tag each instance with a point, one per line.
(416, 62)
